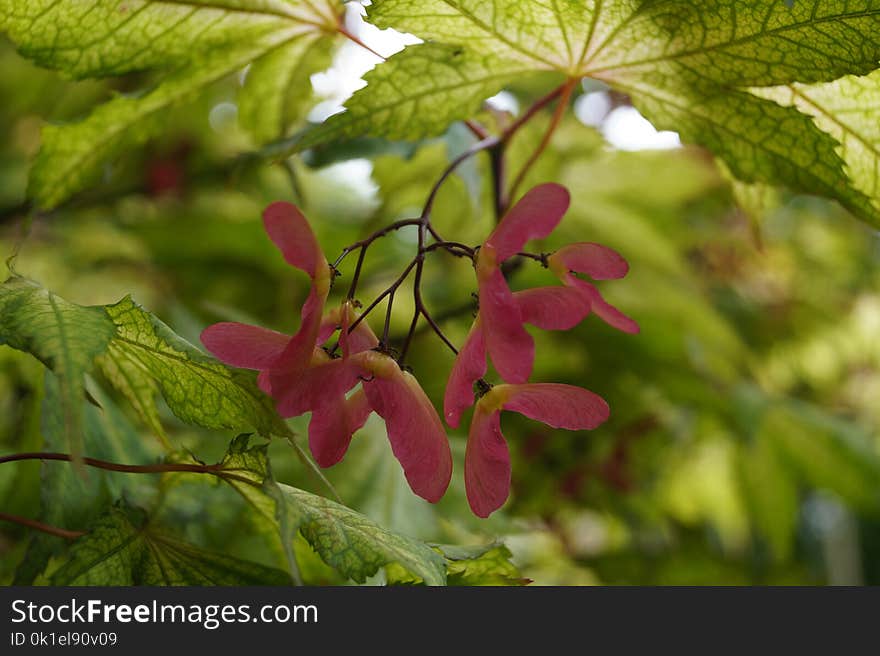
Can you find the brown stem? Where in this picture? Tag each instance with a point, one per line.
(480, 146)
(355, 39)
(561, 107)
(113, 466)
(477, 130)
(393, 288)
(163, 468)
(499, 181)
(352, 290)
(40, 526)
(533, 110)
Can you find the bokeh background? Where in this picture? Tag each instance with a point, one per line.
(743, 446)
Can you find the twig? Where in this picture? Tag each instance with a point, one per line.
(565, 96)
(40, 526)
(312, 467)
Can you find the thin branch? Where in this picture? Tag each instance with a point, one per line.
(312, 467)
(112, 466)
(478, 147)
(40, 526)
(415, 319)
(372, 306)
(367, 241)
(561, 107)
(530, 113)
(387, 328)
(162, 468)
(452, 247)
(355, 39)
(476, 129)
(499, 180)
(352, 289)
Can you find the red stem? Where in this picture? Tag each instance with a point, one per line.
(40, 526)
(565, 96)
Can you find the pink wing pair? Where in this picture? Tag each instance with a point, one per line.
(301, 377)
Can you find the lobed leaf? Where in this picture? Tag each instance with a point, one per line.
(63, 336)
(147, 354)
(194, 42)
(123, 548)
(348, 541)
(689, 66)
(849, 111)
(418, 93)
(482, 565)
(277, 89)
(138, 353)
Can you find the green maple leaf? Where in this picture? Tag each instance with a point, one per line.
(348, 541)
(138, 354)
(63, 336)
(146, 356)
(848, 110)
(482, 565)
(193, 42)
(67, 497)
(689, 66)
(123, 548)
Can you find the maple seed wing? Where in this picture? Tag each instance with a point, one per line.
(332, 427)
(468, 368)
(601, 308)
(597, 261)
(292, 234)
(552, 308)
(241, 345)
(486, 463)
(535, 216)
(557, 405)
(417, 438)
(511, 348)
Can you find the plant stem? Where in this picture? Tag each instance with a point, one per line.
(499, 180)
(352, 289)
(561, 107)
(312, 467)
(112, 466)
(393, 288)
(530, 113)
(40, 526)
(478, 147)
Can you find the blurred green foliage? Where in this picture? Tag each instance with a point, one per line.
(743, 445)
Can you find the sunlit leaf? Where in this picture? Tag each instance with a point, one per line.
(196, 42)
(848, 110)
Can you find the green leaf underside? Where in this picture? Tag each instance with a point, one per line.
(71, 156)
(354, 544)
(847, 109)
(757, 43)
(196, 41)
(418, 93)
(124, 549)
(277, 91)
(63, 336)
(138, 354)
(348, 541)
(688, 66)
